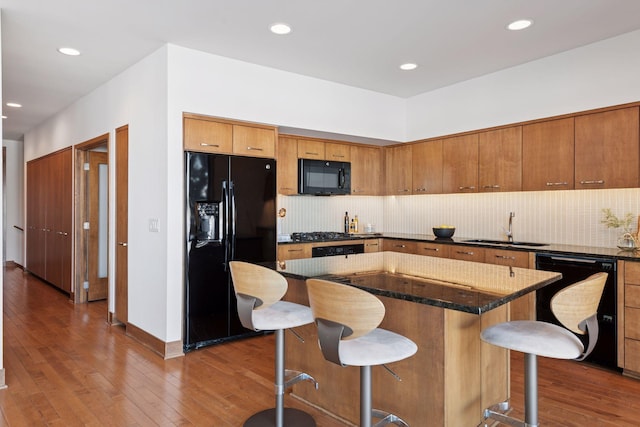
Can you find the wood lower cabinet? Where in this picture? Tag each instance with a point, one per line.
(460, 164)
(49, 195)
(426, 167)
(607, 149)
(629, 322)
(397, 163)
(404, 246)
(548, 155)
(523, 308)
(294, 251)
(467, 253)
(500, 160)
(433, 249)
(372, 245)
(366, 170)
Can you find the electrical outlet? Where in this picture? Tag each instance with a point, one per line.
(153, 225)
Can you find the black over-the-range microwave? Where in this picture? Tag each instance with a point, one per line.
(323, 178)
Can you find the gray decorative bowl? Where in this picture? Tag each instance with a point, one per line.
(443, 232)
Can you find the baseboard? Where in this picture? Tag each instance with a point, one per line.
(13, 264)
(167, 350)
(3, 384)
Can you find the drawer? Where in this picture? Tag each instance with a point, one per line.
(372, 245)
(254, 141)
(506, 257)
(207, 136)
(632, 323)
(433, 249)
(404, 246)
(632, 272)
(294, 251)
(632, 355)
(467, 253)
(632, 296)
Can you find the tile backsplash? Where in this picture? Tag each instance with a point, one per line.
(564, 217)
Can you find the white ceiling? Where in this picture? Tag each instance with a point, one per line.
(359, 43)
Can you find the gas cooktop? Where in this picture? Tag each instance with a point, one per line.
(318, 236)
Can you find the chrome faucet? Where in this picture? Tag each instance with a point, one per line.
(510, 230)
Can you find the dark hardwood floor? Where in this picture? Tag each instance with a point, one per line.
(66, 366)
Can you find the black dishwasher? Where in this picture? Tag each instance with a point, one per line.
(574, 269)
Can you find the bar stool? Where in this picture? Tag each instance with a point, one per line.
(259, 291)
(348, 333)
(576, 308)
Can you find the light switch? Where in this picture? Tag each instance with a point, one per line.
(153, 225)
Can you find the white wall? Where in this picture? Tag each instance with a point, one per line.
(14, 192)
(593, 76)
(136, 97)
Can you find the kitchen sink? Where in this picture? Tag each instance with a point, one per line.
(505, 242)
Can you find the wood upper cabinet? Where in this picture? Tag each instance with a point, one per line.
(366, 170)
(548, 155)
(607, 149)
(311, 149)
(207, 136)
(398, 172)
(287, 170)
(337, 152)
(427, 167)
(227, 137)
(500, 160)
(254, 141)
(460, 164)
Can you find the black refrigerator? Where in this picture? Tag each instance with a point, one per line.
(230, 215)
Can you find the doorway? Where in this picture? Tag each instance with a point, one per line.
(92, 219)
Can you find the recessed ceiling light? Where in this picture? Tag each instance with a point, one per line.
(520, 24)
(13, 104)
(69, 51)
(408, 66)
(280, 28)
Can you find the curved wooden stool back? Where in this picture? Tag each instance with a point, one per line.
(576, 303)
(266, 285)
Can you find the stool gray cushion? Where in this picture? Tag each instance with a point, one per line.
(376, 348)
(281, 315)
(534, 337)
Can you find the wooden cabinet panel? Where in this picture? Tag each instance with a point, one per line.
(337, 152)
(310, 149)
(500, 160)
(548, 155)
(366, 170)
(398, 171)
(632, 273)
(294, 251)
(607, 149)
(467, 253)
(207, 136)
(632, 296)
(506, 257)
(632, 355)
(254, 141)
(287, 170)
(433, 249)
(404, 246)
(460, 164)
(427, 167)
(372, 245)
(632, 323)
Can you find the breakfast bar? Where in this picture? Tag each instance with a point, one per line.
(440, 304)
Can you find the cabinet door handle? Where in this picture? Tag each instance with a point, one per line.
(204, 144)
(294, 250)
(464, 253)
(470, 187)
(491, 186)
(592, 182)
(122, 243)
(506, 257)
(551, 184)
(313, 154)
(399, 246)
(249, 148)
(432, 249)
(371, 244)
(338, 155)
(403, 190)
(286, 188)
(356, 190)
(421, 189)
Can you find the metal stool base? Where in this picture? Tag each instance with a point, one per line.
(292, 418)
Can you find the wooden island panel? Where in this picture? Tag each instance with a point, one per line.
(451, 378)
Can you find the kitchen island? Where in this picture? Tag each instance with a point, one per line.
(442, 305)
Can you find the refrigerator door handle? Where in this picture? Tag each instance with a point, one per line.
(225, 222)
(234, 218)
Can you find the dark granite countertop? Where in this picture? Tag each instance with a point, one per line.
(458, 285)
(553, 248)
